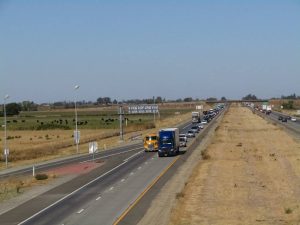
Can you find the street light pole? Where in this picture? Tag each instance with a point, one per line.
(154, 109)
(76, 135)
(5, 131)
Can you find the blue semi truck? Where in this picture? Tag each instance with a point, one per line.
(168, 142)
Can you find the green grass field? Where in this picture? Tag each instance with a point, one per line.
(46, 120)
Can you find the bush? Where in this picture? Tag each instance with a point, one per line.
(41, 176)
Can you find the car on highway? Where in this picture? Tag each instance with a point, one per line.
(280, 117)
(204, 121)
(284, 119)
(190, 134)
(200, 126)
(196, 129)
(182, 142)
(183, 136)
(293, 119)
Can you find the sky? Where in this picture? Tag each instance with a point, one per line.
(139, 49)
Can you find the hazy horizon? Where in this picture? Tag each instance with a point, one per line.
(137, 50)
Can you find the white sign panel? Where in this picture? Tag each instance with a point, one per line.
(199, 107)
(6, 151)
(93, 147)
(139, 109)
(298, 112)
(77, 136)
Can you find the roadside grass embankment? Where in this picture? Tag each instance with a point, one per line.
(252, 176)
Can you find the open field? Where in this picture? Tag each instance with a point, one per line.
(251, 176)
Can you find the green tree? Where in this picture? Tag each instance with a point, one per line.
(13, 109)
(249, 97)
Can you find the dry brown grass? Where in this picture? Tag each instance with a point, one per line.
(13, 187)
(251, 178)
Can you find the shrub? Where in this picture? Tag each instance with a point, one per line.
(205, 155)
(288, 210)
(41, 176)
(179, 195)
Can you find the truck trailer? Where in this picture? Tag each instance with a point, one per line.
(168, 142)
(196, 117)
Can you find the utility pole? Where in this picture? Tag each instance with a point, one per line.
(76, 133)
(6, 150)
(121, 113)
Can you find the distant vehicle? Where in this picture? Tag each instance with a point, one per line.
(200, 126)
(190, 134)
(151, 143)
(196, 129)
(289, 117)
(204, 121)
(183, 136)
(293, 119)
(182, 142)
(280, 117)
(284, 119)
(168, 142)
(196, 117)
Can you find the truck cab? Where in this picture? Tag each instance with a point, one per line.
(168, 142)
(151, 142)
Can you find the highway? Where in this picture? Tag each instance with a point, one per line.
(293, 126)
(101, 195)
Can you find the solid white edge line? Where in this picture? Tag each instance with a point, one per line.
(186, 126)
(60, 200)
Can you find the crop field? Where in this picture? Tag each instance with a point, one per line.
(33, 137)
(65, 120)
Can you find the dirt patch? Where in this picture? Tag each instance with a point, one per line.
(252, 176)
(78, 168)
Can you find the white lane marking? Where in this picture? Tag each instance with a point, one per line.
(132, 173)
(112, 188)
(80, 211)
(139, 168)
(119, 153)
(146, 163)
(186, 126)
(126, 160)
(152, 158)
(97, 199)
(72, 193)
(123, 180)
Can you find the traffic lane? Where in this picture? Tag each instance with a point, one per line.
(34, 205)
(289, 123)
(277, 114)
(48, 166)
(116, 199)
(274, 117)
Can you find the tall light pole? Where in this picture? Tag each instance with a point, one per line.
(154, 109)
(121, 113)
(76, 134)
(6, 151)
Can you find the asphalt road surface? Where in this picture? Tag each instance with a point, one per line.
(101, 195)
